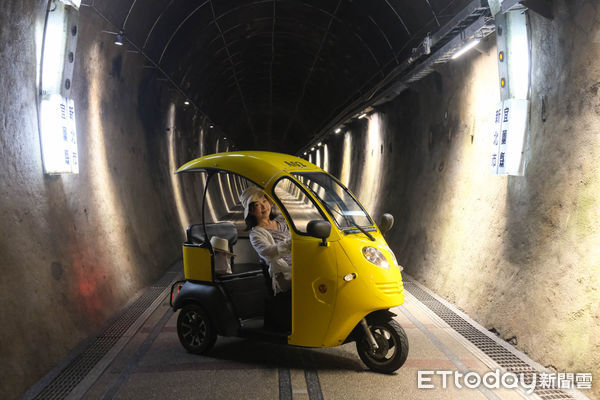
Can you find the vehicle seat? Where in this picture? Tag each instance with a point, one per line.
(225, 230)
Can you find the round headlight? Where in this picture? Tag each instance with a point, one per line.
(375, 256)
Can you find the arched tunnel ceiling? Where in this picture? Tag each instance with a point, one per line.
(271, 73)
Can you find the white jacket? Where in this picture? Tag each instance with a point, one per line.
(280, 271)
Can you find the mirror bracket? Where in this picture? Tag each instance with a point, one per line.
(319, 229)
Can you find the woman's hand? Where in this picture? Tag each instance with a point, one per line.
(284, 247)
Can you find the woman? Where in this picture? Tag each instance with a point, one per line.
(269, 236)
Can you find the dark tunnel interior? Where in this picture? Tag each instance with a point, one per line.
(273, 73)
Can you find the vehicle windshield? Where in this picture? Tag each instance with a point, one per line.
(338, 201)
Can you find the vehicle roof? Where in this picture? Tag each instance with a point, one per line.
(258, 166)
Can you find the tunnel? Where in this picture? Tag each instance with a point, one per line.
(474, 123)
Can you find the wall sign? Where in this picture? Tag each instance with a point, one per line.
(59, 135)
(508, 137)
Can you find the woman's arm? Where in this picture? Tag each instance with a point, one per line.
(265, 246)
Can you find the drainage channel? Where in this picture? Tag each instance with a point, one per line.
(75, 376)
(504, 356)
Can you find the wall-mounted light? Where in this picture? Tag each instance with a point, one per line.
(211, 126)
(305, 153)
(468, 46)
(312, 149)
(187, 103)
(319, 144)
(119, 38)
(338, 130)
(58, 135)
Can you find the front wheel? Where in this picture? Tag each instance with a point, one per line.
(392, 346)
(195, 330)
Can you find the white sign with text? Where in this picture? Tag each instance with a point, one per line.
(508, 137)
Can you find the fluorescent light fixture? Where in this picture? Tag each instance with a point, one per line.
(119, 38)
(466, 48)
(363, 115)
(338, 130)
(55, 43)
(518, 55)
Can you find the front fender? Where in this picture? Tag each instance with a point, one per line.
(378, 315)
(213, 301)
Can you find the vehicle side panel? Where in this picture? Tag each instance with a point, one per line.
(214, 302)
(373, 289)
(314, 288)
(197, 263)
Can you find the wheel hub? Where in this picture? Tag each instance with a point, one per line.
(383, 346)
(197, 327)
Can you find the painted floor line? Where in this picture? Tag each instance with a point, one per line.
(313, 385)
(285, 384)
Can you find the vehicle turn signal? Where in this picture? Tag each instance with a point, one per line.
(350, 277)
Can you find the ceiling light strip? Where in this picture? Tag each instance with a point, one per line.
(396, 80)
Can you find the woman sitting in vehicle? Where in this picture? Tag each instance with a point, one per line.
(269, 236)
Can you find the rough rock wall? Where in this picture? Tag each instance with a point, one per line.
(74, 249)
(519, 254)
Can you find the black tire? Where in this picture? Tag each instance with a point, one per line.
(392, 342)
(195, 330)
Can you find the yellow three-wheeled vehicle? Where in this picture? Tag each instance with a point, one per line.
(345, 278)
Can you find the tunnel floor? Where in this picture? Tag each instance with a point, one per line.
(138, 356)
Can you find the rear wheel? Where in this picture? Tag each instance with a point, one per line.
(195, 330)
(392, 346)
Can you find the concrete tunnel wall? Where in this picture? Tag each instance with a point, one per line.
(519, 254)
(75, 249)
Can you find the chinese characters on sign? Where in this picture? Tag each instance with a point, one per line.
(508, 138)
(59, 136)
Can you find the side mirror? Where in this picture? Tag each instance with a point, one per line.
(387, 221)
(319, 229)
